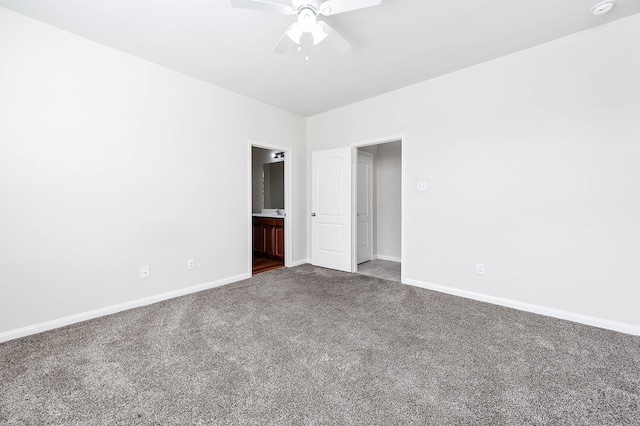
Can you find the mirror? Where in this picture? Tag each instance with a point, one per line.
(274, 185)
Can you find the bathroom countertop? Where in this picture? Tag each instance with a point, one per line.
(267, 215)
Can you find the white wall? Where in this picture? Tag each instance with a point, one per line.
(108, 163)
(531, 162)
(388, 200)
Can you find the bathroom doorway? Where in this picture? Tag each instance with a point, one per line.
(270, 188)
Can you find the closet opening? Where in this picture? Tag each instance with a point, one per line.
(379, 210)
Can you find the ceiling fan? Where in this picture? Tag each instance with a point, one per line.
(307, 12)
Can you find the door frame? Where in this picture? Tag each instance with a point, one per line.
(288, 201)
(354, 243)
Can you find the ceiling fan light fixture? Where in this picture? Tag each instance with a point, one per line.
(295, 32)
(318, 35)
(307, 12)
(307, 23)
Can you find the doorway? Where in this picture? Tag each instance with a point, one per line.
(379, 210)
(269, 201)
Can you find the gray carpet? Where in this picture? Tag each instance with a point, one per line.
(312, 346)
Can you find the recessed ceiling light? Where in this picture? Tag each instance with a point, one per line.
(603, 7)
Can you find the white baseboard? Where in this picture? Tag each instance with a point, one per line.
(72, 319)
(300, 262)
(389, 258)
(523, 306)
(528, 307)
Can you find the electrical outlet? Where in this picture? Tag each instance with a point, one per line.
(144, 272)
(191, 264)
(422, 185)
(480, 268)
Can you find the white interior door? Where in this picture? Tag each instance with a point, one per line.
(331, 208)
(364, 207)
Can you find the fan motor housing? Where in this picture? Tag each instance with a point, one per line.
(306, 4)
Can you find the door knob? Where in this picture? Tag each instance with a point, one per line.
(313, 214)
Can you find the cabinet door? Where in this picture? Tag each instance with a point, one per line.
(269, 240)
(279, 242)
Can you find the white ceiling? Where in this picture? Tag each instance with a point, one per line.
(396, 44)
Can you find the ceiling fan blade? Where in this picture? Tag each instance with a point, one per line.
(333, 7)
(268, 6)
(335, 39)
